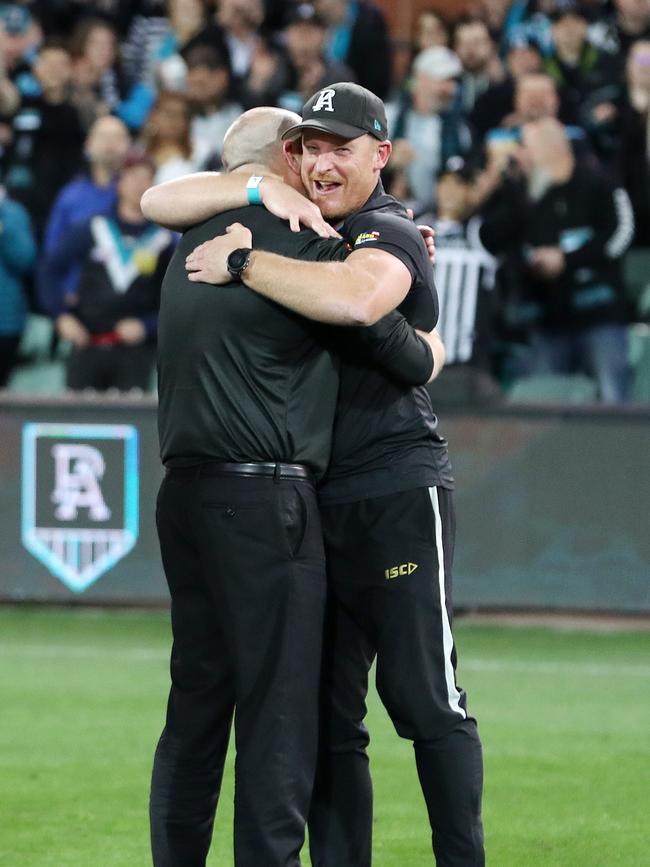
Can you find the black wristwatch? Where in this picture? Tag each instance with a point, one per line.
(237, 262)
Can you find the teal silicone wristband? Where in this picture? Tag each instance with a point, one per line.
(253, 194)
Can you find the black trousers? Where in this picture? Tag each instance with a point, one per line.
(245, 565)
(103, 367)
(389, 566)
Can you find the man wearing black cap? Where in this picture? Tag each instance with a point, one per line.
(247, 393)
(386, 502)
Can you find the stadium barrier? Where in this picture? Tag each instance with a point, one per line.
(552, 504)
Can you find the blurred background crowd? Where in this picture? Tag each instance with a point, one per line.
(521, 132)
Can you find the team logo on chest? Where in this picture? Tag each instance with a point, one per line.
(79, 498)
(324, 101)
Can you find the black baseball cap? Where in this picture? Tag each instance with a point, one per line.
(344, 109)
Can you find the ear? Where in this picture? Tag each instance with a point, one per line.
(382, 154)
(292, 153)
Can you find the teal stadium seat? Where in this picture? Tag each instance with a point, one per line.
(38, 372)
(636, 275)
(553, 388)
(640, 362)
(636, 272)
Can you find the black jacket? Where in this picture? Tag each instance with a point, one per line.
(591, 221)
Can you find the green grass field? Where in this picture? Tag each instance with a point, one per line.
(564, 717)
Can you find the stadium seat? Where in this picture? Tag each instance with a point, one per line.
(553, 388)
(40, 377)
(640, 362)
(38, 372)
(636, 275)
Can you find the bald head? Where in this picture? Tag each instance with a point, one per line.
(256, 138)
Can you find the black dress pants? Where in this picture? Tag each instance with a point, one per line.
(244, 562)
(389, 565)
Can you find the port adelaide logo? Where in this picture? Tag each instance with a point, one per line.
(79, 498)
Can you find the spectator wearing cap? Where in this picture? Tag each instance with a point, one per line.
(358, 36)
(585, 76)
(45, 124)
(17, 257)
(454, 219)
(92, 192)
(305, 34)
(208, 93)
(428, 125)
(478, 54)
(19, 40)
(112, 322)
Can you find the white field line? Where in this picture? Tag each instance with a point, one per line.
(467, 663)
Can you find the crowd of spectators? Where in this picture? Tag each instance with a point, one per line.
(521, 130)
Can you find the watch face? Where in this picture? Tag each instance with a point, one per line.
(237, 259)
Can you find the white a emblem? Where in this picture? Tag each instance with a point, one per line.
(324, 101)
(80, 498)
(77, 473)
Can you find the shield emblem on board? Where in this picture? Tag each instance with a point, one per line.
(79, 498)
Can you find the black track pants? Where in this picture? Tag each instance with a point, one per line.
(389, 564)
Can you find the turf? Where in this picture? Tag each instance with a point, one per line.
(563, 717)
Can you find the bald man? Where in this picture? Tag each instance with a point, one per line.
(247, 395)
(562, 227)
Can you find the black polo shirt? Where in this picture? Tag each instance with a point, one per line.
(386, 434)
(239, 377)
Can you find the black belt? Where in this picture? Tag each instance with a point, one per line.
(268, 470)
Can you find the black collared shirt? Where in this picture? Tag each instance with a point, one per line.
(239, 377)
(386, 434)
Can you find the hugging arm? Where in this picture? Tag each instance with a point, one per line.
(363, 290)
(406, 354)
(359, 291)
(188, 200)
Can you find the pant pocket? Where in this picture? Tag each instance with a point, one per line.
(294, 516)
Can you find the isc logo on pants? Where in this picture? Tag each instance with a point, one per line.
(396, 571)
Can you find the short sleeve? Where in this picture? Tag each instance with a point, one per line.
(317, 249)
(396, 235)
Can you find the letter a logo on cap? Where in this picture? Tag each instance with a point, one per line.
(324, 101)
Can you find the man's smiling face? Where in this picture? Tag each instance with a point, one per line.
(340, 174)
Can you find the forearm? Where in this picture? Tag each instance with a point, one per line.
(399, 350)
(193, 198)
(437, 347)
(332, 292)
